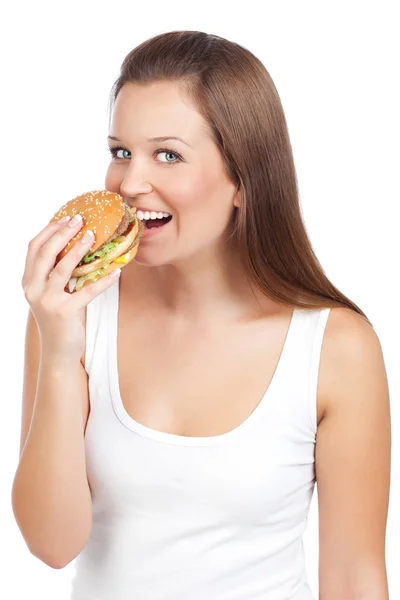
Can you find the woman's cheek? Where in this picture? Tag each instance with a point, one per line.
(181, 185)
(112, 179)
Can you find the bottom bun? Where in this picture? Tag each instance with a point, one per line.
(118, 263)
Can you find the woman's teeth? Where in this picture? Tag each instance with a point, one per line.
(145, 216)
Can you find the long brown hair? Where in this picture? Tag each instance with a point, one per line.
(236, 96)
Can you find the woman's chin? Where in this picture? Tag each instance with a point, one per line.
(144, 261)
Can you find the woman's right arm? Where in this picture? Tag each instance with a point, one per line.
(51, 497)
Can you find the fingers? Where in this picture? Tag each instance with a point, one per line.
(61, 273)
(91, 290)
(43, 278)
(46, 255)
(43, 251)
(34, 246)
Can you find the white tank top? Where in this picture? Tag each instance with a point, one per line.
(196, 518)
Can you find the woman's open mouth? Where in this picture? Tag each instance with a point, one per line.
(153, 221)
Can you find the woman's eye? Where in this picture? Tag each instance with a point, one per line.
(170, 153)
(114, 152)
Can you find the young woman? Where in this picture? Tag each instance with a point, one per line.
(218, 378)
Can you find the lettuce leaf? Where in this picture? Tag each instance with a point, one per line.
(101, 252)
(94, 275)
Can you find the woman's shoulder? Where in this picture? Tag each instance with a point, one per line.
(349, 344)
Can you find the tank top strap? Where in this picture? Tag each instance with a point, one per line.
(319, 321)
(298, 370)
(305, 356)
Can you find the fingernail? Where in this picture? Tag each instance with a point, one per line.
(64, 220)
(87, 236)
(75, 220)
(114, 273)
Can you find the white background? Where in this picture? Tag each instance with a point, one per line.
(335, 67)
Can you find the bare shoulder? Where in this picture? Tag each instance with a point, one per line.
(350, 346)
(352, 459)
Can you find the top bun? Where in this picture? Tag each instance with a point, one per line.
(102, 212)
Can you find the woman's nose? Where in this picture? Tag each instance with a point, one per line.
(133, 184)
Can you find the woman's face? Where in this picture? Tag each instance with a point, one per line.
(187, 180)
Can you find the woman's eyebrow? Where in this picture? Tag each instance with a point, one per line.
(157, 139)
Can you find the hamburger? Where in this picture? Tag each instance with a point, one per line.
(117, 233)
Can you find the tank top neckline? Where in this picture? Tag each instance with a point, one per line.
(172, 438)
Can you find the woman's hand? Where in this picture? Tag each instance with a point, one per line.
(59, 315)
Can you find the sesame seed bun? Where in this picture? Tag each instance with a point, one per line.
(102, 212)
(106, 214)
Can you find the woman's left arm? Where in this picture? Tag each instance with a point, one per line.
(352, 461)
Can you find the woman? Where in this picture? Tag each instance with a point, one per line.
(227, 374)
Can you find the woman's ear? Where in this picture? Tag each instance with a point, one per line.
(236, 199)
